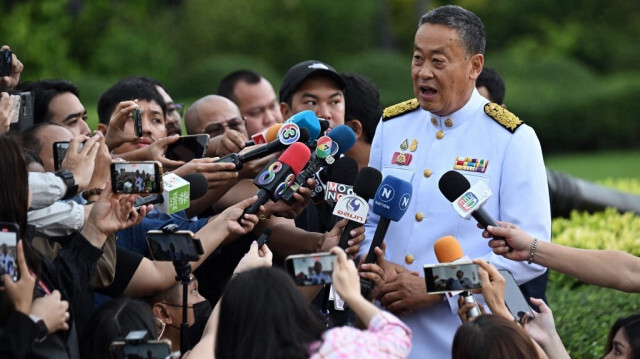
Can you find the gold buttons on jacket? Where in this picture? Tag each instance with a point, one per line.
(419, 216)
(427, 172)
(434, 121)
(448, 122)
(439, 134)
(408, 259)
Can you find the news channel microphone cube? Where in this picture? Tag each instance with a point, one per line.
(176, 194)
(392, 198)
(472, 199)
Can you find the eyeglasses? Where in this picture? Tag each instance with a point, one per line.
(218, 128)
(177, 107)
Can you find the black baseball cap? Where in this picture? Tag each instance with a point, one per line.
(301, 71)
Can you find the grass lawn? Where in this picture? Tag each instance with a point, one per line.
(597, 166)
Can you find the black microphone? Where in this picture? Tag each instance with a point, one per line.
(364, 188)
(454, 186)
(343, 175)
(278, 174)
(198, 186)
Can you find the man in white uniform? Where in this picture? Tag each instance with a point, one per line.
(449, 126)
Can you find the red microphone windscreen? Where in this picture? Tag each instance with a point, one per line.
(447, 249)
(296, 156)
(272, 132)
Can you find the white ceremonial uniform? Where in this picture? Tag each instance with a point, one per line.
(408, 147)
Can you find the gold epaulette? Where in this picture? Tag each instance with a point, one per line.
(399, 109)
(505, 118)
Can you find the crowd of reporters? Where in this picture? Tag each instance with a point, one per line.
(88, 278)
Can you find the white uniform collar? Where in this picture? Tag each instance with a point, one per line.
(460, 117)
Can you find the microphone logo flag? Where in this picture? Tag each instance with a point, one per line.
(386, 193)
(472, 199)
(178, 191)
(404, 201)
(352, 207)
(289, 133)
(270, 173)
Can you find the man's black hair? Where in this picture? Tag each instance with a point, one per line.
(492, 80)
(469, 26)
(362, 102)
(43, 91)
(228, 84)
(127, 90)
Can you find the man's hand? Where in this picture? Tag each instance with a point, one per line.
(53, 311)
(254, 258)
(21, 292)
(514, 236)
(116, 135)
(251, 169)
(230, 142)
(7, 111)
(330, 239)
(228, 219)
(217, 174)
(82, 163)
(102, 170)
(110, 213)
(375, 272)
(406, 292)
(9, 82)
(302, 199)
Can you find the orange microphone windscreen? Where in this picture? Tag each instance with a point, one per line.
(272, 132)
(447, 249)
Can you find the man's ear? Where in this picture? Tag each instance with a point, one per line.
(102, 128)
(160, 311)
(285, 110)
(477, 62)
(356, 126)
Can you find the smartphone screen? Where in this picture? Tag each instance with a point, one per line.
(187, 148)
(172, 246)
(8, 255)
(136, 177)
(149, 349)
(443, 278)
(5, 63)
(513, 297)
(59, 151)
(311, 269)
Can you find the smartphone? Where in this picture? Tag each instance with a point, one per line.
(310, 269)
(24, 104)
(187, 148)
(15, 101)
(444, 278)
(5, 63)
(137, 121)
(9, 233)
(513, 297)
(179, 245)
(59, 151)
(157, 349)
(144, 177)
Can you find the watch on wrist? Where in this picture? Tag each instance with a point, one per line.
(69, 181)
(43, 332)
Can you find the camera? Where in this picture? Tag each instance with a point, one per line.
(174, 246)
(136, 345)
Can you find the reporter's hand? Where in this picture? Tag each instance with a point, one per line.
(375, 272)
(217, 174)
(493, 285)
(251, 169)
(230, 142)
(10, 82)
(463, 309)
(21, 292)
(514, 236)
(116, 135)
(302, 198)
(331, 239)
(102, 169)
(7, 111)
(542, 328)
(110, 213)
(229, 218)
(254, 258)
(53, 311)
(81, 163)
(345, 276)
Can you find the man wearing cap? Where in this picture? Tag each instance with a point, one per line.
(316, 86)
(449, 126)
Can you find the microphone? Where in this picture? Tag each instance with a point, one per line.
(390, 203)
(324, 125)
(467, 200)
(308, 120)
(265, 136)
(356, 207)
(448, 250)
(340, 140)
(287, 135)
(343, 175)
(175, 192)
(278, 174)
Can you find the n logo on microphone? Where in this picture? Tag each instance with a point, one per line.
(386, 193)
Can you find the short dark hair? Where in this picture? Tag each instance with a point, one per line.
(265, 298)
(362, 103)
(127, 89)
(113, 321)
(228, 84)
(631, 327)
(30, 138)
(31, 156)
(492, 80)
(492, 336)
(469, 26)
(43, 91)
